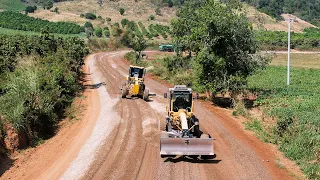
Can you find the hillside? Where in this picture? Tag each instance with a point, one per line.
(136, 11)
(140, 11)
(263, 21)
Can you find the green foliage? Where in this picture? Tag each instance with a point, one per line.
(13, 20)
(152, 30)
(98, 32)
(108, 19)
(157, 29)
(90, 16)
(274, 40)
(121, 10)
(297, 111)
(306, 9)
(223, 42)
(138, 45)
(37, 89)
(124, 22)
(30, 9)
(152, 17)
(12, 5)
(106, 32)
(88, 24)
(144, 30)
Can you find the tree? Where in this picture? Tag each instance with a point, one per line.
(30, 9)
(223, 43)
(98, 32)
(90, 16)
(121, 10)
(88, 24)
(138, 45)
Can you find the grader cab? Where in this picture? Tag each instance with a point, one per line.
(134, 84)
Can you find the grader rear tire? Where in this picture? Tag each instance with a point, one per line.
(146, 94)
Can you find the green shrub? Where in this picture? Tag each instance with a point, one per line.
(124, 22)
(108, 19)
(152, 17)
(39, 88)
(90, 16)
(30, 9)
(88, 24)
(121, 10)
(98, 32)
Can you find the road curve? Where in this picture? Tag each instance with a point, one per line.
(129, 148)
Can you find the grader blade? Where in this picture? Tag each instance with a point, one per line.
(186, 146)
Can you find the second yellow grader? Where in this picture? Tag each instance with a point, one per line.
(134, 86)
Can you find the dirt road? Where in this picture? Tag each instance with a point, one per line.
(131, 148)
(120, 139)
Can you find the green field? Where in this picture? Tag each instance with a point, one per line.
(17, 32)
(294, 112)
(12, 5)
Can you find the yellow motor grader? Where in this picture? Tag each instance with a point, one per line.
(134, 84)
(182, 135)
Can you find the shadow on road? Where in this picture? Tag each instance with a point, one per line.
(5, 164)
(192, 160)
(95, 86)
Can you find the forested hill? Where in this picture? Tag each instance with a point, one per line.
(308, 10)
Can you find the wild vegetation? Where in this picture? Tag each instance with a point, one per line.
(295, 111)
(18, 21)
(40, 75)
(277, 40)
(308, 10)
(12, 5)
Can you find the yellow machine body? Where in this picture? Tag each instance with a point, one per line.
(134, 85)
(183, 135)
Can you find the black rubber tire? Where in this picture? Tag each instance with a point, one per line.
(197, 132)
(146, 94)
(124, 92)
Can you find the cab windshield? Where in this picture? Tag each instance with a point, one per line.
(181, 100)
(136, 72)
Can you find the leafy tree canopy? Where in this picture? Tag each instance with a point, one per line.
(222, 38)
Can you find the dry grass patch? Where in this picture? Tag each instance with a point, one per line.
(261, 19)
(298, 60)
(134, 11)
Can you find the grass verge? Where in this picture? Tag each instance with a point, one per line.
(295, 110)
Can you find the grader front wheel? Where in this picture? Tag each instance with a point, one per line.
(124, 92)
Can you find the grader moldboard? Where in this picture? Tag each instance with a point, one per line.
(134, 85)
(183, 135)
